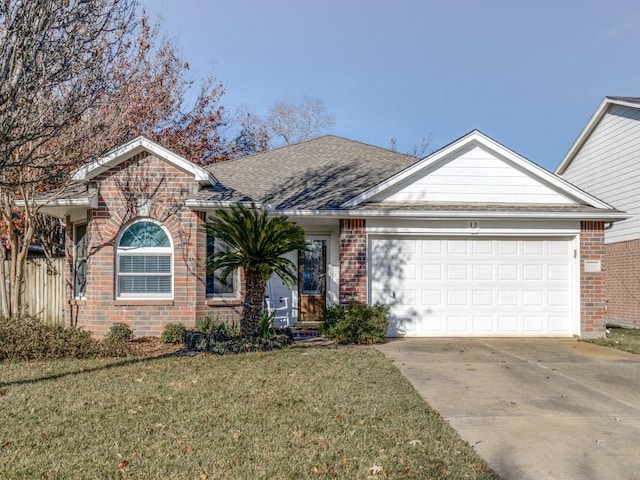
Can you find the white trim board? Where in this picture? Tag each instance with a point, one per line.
(135, 146)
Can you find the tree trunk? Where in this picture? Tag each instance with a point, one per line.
(255, 285)
(4, 294)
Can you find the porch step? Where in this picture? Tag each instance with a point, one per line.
(306, 330)
(309, 325)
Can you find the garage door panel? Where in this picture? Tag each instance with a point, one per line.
(457, 272)
(482, 272)
(533, 323)
(431, 247)
(473, 286)
(432, 271)
(457, 323)
(482, 323)
(508, 323)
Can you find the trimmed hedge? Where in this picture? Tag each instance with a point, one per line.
(27, 338)
(357, 323)
(220, 344)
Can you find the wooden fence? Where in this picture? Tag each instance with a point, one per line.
(43, 292)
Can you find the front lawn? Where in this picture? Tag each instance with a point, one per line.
(297, 413)
(627, 339)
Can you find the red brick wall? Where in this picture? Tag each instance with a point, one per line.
(623, 281)
(120, 191)
(228, 310)
(593, 293)
(353, 261)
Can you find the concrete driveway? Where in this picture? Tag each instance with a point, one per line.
(534, 408)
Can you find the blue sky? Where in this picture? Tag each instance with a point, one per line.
(527, 73)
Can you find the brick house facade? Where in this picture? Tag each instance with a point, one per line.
(137, 243)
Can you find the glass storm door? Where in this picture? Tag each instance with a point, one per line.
(312, 274)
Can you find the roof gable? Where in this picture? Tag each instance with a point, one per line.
(138, 145)
(596, 118)
(476, 169)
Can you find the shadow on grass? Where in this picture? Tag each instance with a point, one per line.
(119, 362)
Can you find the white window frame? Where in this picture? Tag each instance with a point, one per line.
(83, 296)
(143, 251)
(234, 278)
(235, 294)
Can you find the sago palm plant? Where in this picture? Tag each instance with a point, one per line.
(257, 244)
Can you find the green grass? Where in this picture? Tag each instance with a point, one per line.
(627, 339)
(297, 413)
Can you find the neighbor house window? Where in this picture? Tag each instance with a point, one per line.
(80, 260)
(144, 262)
(215, 285)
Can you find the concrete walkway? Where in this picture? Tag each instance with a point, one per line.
(534, 409)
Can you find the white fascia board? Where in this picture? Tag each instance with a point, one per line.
(443, 215)
(133, 147)
(89, 202)
(194, 203)
(584, 134)
(493, 232)
(588, 128)
(478, 138)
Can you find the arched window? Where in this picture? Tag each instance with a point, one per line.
(144, 262)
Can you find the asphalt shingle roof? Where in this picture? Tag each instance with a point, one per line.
(483, 207)
(318, 174)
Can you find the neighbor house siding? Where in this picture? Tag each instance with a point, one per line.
(607, 166)
(475, 175)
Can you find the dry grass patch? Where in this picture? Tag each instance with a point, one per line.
(297, 413)
(626, 339)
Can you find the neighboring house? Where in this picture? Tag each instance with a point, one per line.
(473, 240)
(605, 161)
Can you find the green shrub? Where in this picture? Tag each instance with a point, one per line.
(215, 343)
(27, 338)
(358, 323)
(332, 314)
(172, 333)
(119, 332)
(221, 329)
(206, 324)
(265, 325)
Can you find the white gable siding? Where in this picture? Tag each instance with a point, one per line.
(608, 166)
(475, 175)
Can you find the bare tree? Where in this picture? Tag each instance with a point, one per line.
(150, 100)
(419, 151)
(55, 65)
(142, 90)
(294, 121)
(254, 134)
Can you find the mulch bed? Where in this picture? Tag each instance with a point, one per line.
(153, 347)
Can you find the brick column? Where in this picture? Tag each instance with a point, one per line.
(592, 283)
(353, 261)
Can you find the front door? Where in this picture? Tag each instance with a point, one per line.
(312, 274)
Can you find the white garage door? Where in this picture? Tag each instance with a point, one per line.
(475, 287)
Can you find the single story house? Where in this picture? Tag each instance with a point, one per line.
(473, 240)
(604, 161)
